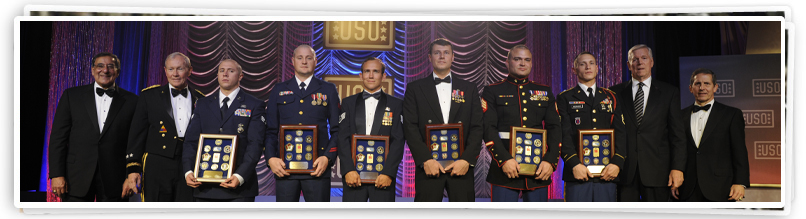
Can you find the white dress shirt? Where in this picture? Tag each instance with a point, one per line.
(585, 89)
(369, 111)
(444, 96)
(102, 104)
(307, 82)
(647, 83)
(698, 122)
(182, 110)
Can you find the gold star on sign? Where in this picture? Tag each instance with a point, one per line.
(335, 36)
(383, 22)
(336, 28)
(383, 38)
(383, 29)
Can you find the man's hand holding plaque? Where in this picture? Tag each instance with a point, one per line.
(433, 168)
(458, 168)
(511, 168)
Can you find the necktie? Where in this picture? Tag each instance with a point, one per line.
(698, 108)
(302, 86)
(639, 103)
(376, 95)
(590, 94)
(175, 92)
(224, 107)
(109, 92)
(444, 80)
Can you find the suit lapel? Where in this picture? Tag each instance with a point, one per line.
(376, 122)
(117, 104)
(430, 91)
(360, 115)
(651, 101)
(713, 119)
(165, 95)
(90, 106)
(687, 123)
(626, 96)
(581, 95)
(294, 87)
(454, 105)
(215, 105)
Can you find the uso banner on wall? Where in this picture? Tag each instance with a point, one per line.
(753, 84)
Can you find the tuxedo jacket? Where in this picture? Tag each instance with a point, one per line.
(578, 112)
(207, 119)
(153, 129)
(77, 146)
(721, 159)
(658, 145)
(288, 105)
(421, 107)
(353, 121)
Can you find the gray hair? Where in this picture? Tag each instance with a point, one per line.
(637, 47)
(184, 58)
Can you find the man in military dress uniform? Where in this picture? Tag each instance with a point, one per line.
(158, 129)
(372, 112)
(230, 111)
(429, 101)
(587, 106)
(518, 102)
(303, 100)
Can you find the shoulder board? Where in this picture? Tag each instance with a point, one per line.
(611, 91)
(539, 84)
(150, 87)
(198, 91)
(566, 90)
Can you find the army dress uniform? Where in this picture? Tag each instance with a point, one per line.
(520, 103)
(318, 104)
(578, 111)
(154, 132)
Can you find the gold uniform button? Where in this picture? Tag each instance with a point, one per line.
(577, 110)
(521, 87)
(492, 149)
(499, 161)
(594, 111)
(300, 112)
(174, 137)
(283, 102)
(163, 135)
(524, 118)
(160, 122)
(539, 104)
(496, 155)
(524, 101)
(301, 101)
(523, 93)
(594, 127)
(321, 148)
(506, 103)
(594, 119)
(524, 126)
(524, 109)
(163, 147)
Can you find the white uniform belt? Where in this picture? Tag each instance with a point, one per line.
(503, 135)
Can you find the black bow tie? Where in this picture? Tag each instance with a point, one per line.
(109, 92)
(698, 108)
(183, 92)
(376, 95)
(445, 80)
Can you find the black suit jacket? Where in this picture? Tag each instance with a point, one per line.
(658, 144)
(154, 111)
(721, 159)
(421, 107)
(353, 121)
(77, 146)
(207, 119)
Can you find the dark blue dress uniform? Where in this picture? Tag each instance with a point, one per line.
(207, 118)
(520, 103)
(288, 105)
(578, 111)
(353, 122)
(153, 132)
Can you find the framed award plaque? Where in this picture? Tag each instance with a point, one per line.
(215, 157)
(298, 148)
(446, 142)
(527, 146)
(369, 156)
(595, 149)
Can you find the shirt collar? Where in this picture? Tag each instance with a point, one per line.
(710, 102)
(307, 81)
(585, 88)
(435, 76)
(99, 86)
(517, 81)
(647, 82)
(172, 87)
(231, 96)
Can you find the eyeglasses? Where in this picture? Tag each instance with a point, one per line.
(109, 66)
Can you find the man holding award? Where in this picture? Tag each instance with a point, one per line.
(518, 104)
(655, 140)
(158, 129)
(306, 157)
(432, 103)
(593, 165)
(372, 112)
(717, 168)
(226, 112)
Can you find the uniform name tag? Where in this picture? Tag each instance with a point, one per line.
(243, 112)
(577, 106)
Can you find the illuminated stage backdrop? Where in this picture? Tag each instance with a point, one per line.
(264, 51)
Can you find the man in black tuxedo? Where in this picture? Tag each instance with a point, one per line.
(429, 101)
(87, 150)
(655, 142)
(230, 111)
(372, 112)
(158, 129)
(717, 167)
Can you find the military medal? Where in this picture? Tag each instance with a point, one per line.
(536, 160)
(297, 139)
(585, 142)
(380, 150)
(371, 143)
(360, 158)
(299, 133)
(380, 159)
(434, 146)
(370, 149)
(443, 138)
(435, 155)
(596, 143)
(595, 137)
(528, 135)
(308, 148)
(378, 167)
(288, 137)
(518, 140)
(528, 151)
(204, 166)
(606, 143)
(289, 147)
(454, 146)
(433, 137)
(299, 156)
(225, 167)
(205, 157)
(288, 156)
(587, 152)
(606, 151)
(308, 139)
(595, 160)
(370, 158)
(227, 149)
(527, 142)
(455, 155)
(313, 99)
(359, 166)
(444, 155)
(298, 148)
(538, 142)
(444, 146)
(360, 148)
(369, 167)
(586, 161)
(216, 149)
(214, 167)
(324, 98)
(518, 158)
(527, 159)
(207, 148)
(605, 161)
(537, 152)
(444, 132)
(454, 138)
(218, 142)
(595, 152)
(240, 128)
(216, 157)
(225, 158)
(518, 149)
(308, 156)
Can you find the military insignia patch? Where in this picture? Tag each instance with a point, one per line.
(163, 130)
(483, 105)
